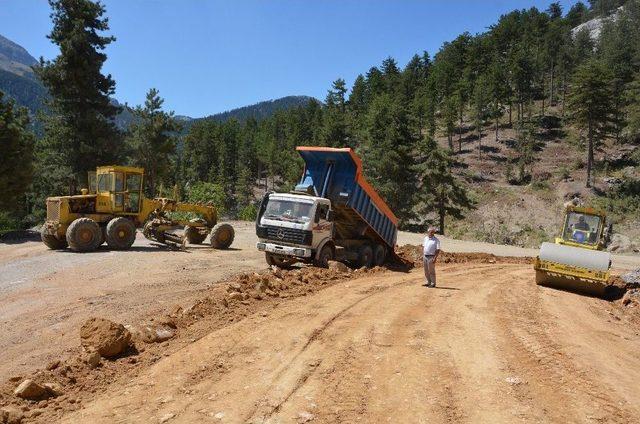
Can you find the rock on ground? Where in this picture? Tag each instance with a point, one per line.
(621, 244)
(631, 298)
(10, 415)
(632, 279)
(29, 389)
(338, 266)
(104, 336)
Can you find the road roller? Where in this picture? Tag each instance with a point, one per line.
(577, 261)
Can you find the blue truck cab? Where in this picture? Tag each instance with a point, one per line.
(332, 214)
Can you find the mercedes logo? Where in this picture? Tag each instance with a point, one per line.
(280, 234)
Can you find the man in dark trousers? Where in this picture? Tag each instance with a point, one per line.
(430, 251)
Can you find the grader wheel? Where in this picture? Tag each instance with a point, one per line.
(192, 233)
(51, 241)
(120, 234)
(222, 236)
(84, 235)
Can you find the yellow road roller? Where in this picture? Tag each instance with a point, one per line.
(577, 261)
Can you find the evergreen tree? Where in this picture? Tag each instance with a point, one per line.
(440, 191)
(591, 106)
(633, 109)
(80, 132)
(152, 140)
(335, 122)
(16, 145)
(387, 152)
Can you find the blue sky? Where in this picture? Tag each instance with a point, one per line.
(208, 56)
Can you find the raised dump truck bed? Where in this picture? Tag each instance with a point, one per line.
(336, 174)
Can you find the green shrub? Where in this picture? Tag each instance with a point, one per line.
(248, 213)
(8, 223)
(203, 192)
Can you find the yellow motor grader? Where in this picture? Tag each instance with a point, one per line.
(114, 206)
(576, 261)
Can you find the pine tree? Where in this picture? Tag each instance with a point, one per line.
(16, 159)
(80, 131)
(335, 132)
(632, 110)
(591, 106)
(153, 140)
(440, 191)
(387, 152)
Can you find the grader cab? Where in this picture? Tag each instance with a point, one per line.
(113, 206)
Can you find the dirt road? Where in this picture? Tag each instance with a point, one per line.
(486, 346)
(45, 295)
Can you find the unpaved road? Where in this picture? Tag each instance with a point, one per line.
(488, 346)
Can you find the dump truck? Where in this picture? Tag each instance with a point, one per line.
(577, 260)
(113, 206)
(332, 214)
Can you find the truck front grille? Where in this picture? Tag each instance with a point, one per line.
(289, 235)
(53, 210)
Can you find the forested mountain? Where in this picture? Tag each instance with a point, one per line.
(495, 129)
(261, 110)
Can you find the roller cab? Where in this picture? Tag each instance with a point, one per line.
(576, 261)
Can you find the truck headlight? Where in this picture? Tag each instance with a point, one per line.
(261, 246)
(299, 252)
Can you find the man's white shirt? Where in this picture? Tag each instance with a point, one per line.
(430, 245)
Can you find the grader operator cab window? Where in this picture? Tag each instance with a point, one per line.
(93, 183)
(104, 183)
(133, 187)
(582, 228)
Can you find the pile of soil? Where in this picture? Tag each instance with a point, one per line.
(412, 254)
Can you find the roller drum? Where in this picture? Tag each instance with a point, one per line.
(575, 256)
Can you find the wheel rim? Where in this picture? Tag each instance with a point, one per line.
(224, 236)
(86, 236)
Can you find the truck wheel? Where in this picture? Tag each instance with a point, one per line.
(365, 256)
(222, 236)
(121, 233)
(379, 255)
(83, 235)
(326, 255)
(51, 241)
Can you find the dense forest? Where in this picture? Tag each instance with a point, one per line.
(529, 67)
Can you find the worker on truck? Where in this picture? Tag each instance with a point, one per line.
(430, 250)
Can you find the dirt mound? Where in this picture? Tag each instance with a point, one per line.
(105, 337)
(412, 254)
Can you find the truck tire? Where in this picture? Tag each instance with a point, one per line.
(326, 254)
(121, 233)
(222, 236)
(84, 235)
(51, 241)
(365, 256)
(379, 255)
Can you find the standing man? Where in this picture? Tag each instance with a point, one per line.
(430, 250)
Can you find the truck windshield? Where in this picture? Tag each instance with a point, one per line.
(582, 228)
(288, 210)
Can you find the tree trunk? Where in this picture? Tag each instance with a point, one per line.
(450, 140)
(441, 210)
(497, 127)
(510, 120)
(460, 135)
(590, 156)
(542, 110)
(441, 216)
(564, 92)
(551, 86)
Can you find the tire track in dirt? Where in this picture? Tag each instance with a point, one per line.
(564, 386)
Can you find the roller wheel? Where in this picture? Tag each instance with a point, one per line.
(326, 255)
(121, 233)
(379, 255)
(51, 241)
(222, 236)
(84, 235)
(365, 256)
(192, 233)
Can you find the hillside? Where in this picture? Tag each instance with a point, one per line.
(20, 83)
